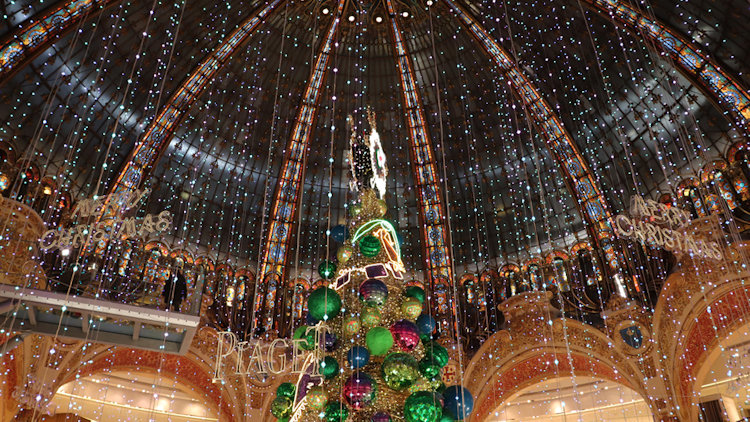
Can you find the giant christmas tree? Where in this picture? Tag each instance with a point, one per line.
(380, 358)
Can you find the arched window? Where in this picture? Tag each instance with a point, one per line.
(585, 270)
(533, 271)
(714, 179)
(739, 163)
(440, 292)
(272, 286)
(25, 183)
(299, 302)
(124, 258)
(468, 283)
(556, 271)
(509, 274)
(690, 198)
(152, 265)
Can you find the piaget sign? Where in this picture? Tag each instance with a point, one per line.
(111, 225)
(657, 224)
(256, 357)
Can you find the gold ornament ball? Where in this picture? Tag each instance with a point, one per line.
(371, 317)
(317, 398)
(352, 325)
(344, 253)
(381, 207)
(355, 210)
(411, 307)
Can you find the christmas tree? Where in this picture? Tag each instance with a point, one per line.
(381, 358)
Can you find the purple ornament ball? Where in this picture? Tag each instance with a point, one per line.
(373, 292)
(381, 417)
(359, 390)
(405, 335)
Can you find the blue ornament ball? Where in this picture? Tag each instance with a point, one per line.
(310, 320)
(458, 401)
(373, 292)
(339, 233)
(331, 341)
(426, 325)
(358, 357)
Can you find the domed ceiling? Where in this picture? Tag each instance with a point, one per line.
(82, 105)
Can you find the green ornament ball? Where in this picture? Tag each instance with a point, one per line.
(369, 246)
(352, 325)
(324, 304)
(336, 412)
(329, 367)
(327, 270)
(411, 307)
(309, 337)
(399, 371)
(435, 352)
(415, 292)
(371, 317)
(281, 407)
(379, 340)
(286, 389)
(429, 368)
(317, 398)
(344, 253)
(423, 406)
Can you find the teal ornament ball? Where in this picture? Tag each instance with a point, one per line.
(327, 270)
(324, 304)
(423, 406)
(458, 401)
(369, 246)
(446, 417)
(379, 341)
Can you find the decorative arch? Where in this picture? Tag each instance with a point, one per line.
(429, 193)
(708, 310)
(504, 366)
(183, 368)
(26, 42)
(206, 262)
(593, 206)
(286, 197)
(537, 368)
(704, 71)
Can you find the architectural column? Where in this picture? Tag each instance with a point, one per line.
(591, 202)
(699, 67)
(23, 44)
(286, 198)
(437, 256)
